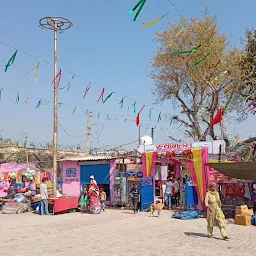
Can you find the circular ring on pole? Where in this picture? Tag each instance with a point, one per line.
(55, 23)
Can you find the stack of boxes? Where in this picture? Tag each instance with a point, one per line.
(243, 215)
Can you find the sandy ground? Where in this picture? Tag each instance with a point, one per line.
(117, 233)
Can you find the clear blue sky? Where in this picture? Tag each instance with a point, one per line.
(104, 46)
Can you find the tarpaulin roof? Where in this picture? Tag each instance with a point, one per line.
(244, 170)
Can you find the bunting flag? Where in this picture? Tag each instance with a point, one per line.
(151, 23)
(36, 68)
(108, 97)
(116, 118)
(218, 118)
(225, 85)
(46, 103)
(138, 116)
(68, 84)
(190, 51)
(200, 61)
(121, 103)
(101, 96)
(159, 118)
(10, 61)
(74, 111)
(178, 33)
(149, 160)
(59, 77)
(1, 93)
(87, 90)
(134, 107)
(27, 100)
(86, 112)
(60, 104)
(217, 63)
(17, 98)
(140, 4)
(108, 117)
(39, 103)
(99, 115)
(125, 120)
(220, 75)
(150, 114)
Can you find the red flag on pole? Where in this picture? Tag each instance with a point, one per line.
(218, 118)
(138, 116)
(138, 119)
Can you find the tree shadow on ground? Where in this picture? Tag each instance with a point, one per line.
(194, 234)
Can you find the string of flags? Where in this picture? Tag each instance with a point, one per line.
(44, 102)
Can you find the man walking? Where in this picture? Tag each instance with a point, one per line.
(135, 195)
(168, 192)
(44, 198)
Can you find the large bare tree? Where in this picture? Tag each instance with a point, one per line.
(197, 91)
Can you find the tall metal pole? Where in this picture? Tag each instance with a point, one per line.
(55, 115)
(139, 136)
(88, 134)
(56, 24)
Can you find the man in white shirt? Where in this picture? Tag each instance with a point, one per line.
(44, 198)
(168, 192)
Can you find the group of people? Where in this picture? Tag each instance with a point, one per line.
(92, 198)
(175, 192)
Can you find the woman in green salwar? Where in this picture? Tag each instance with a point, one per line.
(83, 200)
(215, 216)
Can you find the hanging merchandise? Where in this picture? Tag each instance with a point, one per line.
(101, 96)
(140, 4)
(151, 23)
(36, 68)
(200, 61)
(10, 61)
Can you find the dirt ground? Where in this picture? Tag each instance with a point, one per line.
(117, 233)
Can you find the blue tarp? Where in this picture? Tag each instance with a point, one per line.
(186, 215)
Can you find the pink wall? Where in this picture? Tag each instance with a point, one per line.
(71, 186)
(112, 180)
(15, 167)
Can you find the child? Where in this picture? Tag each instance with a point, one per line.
(103, 198)
(83, 200)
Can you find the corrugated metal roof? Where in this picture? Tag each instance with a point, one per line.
(87, 158)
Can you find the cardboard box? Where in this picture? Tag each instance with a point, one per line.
(242, 209)
(250, 212)
(243, 220)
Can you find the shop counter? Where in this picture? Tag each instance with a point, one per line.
(62, 204)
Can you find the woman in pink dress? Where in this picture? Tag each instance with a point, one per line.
(93, 193)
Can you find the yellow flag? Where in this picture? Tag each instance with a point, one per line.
(36, 68)
(151, 23)
(178, 33)
(27, 100)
